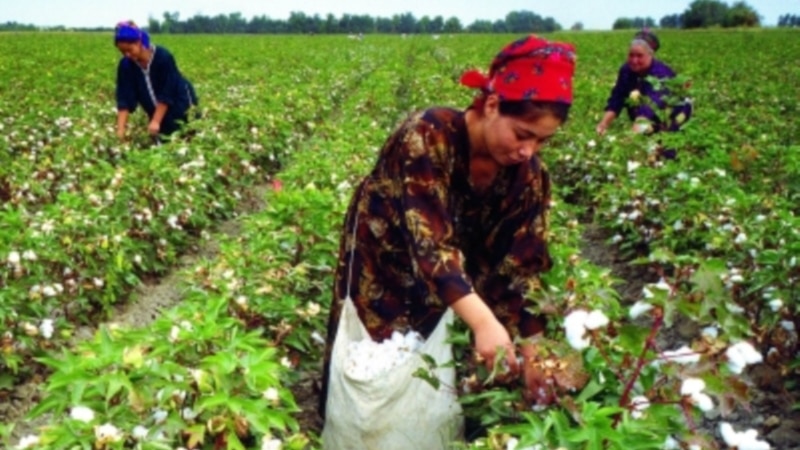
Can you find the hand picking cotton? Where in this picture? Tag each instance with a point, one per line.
(367, 359)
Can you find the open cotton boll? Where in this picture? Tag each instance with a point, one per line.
(575, 329)
(596, 319)
(747, 440)
(367, 359)
(740, 355)
(639, 308)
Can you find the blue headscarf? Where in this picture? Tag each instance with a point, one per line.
(127, 31)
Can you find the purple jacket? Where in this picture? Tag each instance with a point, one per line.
(628, 80)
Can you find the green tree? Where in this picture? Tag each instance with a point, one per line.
(480, 26)
(424, 25)
(437, 24)
(705, 13)
(153, 25)
(622, 23)
(742, 15)
(453, 25)
(671, 21)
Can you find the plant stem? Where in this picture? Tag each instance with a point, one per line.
(649, 344)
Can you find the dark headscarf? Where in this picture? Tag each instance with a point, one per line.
(649, 38)
(127, 31)
(530, 68)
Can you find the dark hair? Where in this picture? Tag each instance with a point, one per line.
(534, 109)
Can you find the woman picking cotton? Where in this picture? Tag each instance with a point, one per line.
(454, 213)
(148, 76)
(635, 92)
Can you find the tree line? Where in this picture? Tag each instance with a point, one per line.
(706, 14)
(699, 14)
(299, 22)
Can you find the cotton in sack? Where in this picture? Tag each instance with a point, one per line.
(393, 410)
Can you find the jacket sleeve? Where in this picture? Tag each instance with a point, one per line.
(126, 87)
(620, 92)
(429, 224)
(518, 245)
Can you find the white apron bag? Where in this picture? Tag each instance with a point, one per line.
(396, 410)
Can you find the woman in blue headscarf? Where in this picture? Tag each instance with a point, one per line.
(148, 76)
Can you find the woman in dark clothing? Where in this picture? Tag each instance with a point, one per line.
(454, 213)
(148, 76)
(637, 95)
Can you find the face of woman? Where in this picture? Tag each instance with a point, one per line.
(639, 59)
(513, 140)
(131, 50)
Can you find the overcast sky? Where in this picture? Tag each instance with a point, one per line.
(595, 14)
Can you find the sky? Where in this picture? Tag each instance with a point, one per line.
(594, 14)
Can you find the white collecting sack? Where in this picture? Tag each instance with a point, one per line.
(382, 406)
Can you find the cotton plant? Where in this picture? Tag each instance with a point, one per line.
(193, 378)
(636, 383)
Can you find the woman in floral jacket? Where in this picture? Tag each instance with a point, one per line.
(454, 213)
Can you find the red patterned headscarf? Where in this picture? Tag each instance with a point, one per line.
(531, 68)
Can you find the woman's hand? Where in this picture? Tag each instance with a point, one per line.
(490, 334)
(539, 390)
(604, 123)
(490, 339)
(153, 127)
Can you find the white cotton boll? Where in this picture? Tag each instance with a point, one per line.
(671, 444)
(639, 404)
(741, 238)
(692, 386)
(647, 293)
(702, 401)
(633, 165)
(82, 414)
(574, 325)
(159, 416)
(596, 319)
(139, 432)
(740, 355)
(47, 328)
(710, 332)
(316, 337)
(728, 434)
(734, 308)
(271, 444)
(29, 441)
(662, 285)
(271, 394)
(13, 258)
(788, 325)
(639, 308)
(678, 225)
(776, 305)
(107, 433)
(683, 355)
(747, 440)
